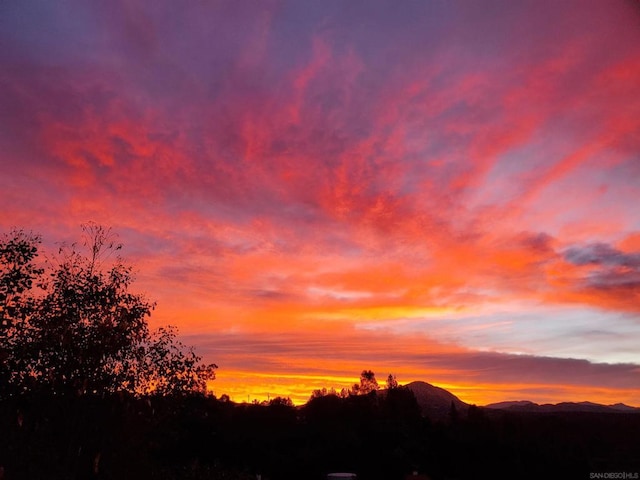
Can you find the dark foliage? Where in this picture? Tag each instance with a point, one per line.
(377, 436)
(18, 275)
(71, 325)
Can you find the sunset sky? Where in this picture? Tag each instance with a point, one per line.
(445, 191)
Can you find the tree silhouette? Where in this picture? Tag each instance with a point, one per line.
(81, 329)
(18, 273)
(368, 383)
(168, 367)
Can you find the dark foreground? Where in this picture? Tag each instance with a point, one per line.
(121, 437)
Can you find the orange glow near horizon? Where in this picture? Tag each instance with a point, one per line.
(248, 387)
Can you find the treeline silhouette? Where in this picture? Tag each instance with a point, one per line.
(381, 435)
(88, 391)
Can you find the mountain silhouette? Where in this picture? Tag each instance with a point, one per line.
(518, 404)
(527, 406)
(435, 402)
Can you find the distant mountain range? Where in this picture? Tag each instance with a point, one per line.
(435, 403)
(527, 406)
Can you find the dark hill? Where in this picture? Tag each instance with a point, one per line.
(435, 402)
